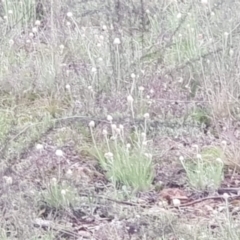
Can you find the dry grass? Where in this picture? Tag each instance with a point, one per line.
(104, 104)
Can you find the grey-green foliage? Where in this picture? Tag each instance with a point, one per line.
(4, 125)
(19, 13)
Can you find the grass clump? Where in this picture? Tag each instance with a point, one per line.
(205, 171)
(126, 164)
(3, 234)
(5, 125)
(19, 13)
(58, 195)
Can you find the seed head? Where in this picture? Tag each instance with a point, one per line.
(93, 69)
(109, 118)
(146, 115)
(104, 132)
(151, 91)
(92, 124)
(133, 75)
(63, 192)
(148, 155)
(141, 88)
(37, 22)
(143, 134)
(108, 155)
(69, 14)
(130, 99)
(61, 47)
(121, 126)
(199, 156)
(181, 158)
(179, 15)
(59, 153)
(113, 126)
(116, 41)
(226, 34)
(128, 145)
(219, 160)
(34, 30)
(54, 181)
(224, 143)
(39, 146)
(118, 130)
(176, 202)
(11, 42)
(67, 87)
(204, 2)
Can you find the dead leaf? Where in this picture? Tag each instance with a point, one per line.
(170, 194)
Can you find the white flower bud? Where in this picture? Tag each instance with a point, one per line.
(11, 42)
(121, 126)
(133, 75)
(59, 153)
(128, 145)
(104, 132)
(116, 41)
(114, 127)
(92, 124)
(148, 155)
(68, 87)
(176, 202)
(109, 118)
(146, 115)
(37, 22)
(108, 155)
(63, 192)
(204, 2)
(39, 146)
(181, 158)
(179, 15)
(31, 35)
(93, 69)
(69, 14)
(199, 156)
(141, 88)
(61, 47)
(130, 99)
(34, 30)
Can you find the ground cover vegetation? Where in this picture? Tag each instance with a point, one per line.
(119, 119)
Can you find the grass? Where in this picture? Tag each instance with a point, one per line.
(100, 100)
(204, 174)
